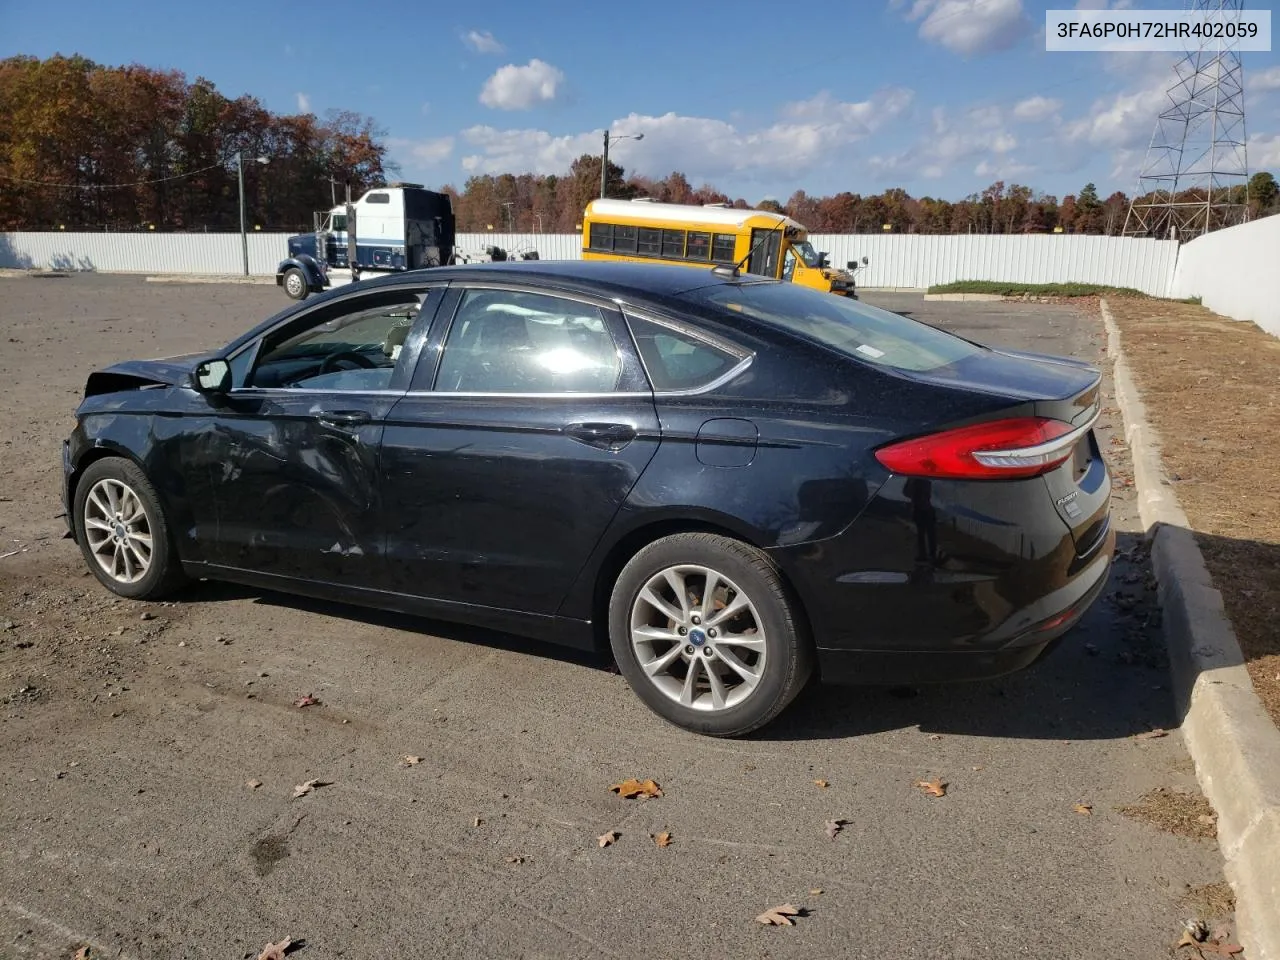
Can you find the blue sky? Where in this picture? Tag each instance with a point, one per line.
(940, 97)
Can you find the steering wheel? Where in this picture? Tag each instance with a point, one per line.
(331, 362)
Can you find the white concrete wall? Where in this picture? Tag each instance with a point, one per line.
(1235, 272)
(903, 261)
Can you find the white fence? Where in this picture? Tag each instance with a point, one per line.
(1236, 272)
(902, 261)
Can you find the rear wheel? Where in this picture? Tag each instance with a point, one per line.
(295, 284)
(122, 531)
(703, 629)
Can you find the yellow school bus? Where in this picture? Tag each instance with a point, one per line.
(767, 244)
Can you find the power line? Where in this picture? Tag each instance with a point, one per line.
(107, 186)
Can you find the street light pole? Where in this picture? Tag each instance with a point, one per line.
(244, 236)
(604, 167)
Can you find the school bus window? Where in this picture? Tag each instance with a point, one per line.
(649, 242)
(699, 246)
(601, 236)
(722, 248)
(624, 239)
(673, 244)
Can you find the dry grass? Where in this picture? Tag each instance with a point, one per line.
(1212, 390)
(1182, 814)
(1210, 900)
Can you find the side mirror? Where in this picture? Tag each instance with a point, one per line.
(822, 259)
(212, 376)
(851, 265)
(864, 261)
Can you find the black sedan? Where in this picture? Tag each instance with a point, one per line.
(731, 481)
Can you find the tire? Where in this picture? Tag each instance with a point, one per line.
(114, 487)
(295, 284)
(653, 653)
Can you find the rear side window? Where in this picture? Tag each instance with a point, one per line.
(850, 327)
(676, 360)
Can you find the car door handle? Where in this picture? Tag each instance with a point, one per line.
(344, 418)
(604, 435)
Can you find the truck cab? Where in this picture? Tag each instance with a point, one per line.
(401, 226)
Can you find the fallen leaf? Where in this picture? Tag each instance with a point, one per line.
(935, 736)
(410, 761)
(515, 859)
(780, 916)
(834, 826)
(275, 951)
(1155, 734)
(605, 839)
(306, 700)
(1223, 949)
(253, 784)
(815, 892)
(632, 788)
(477, 821)
(302, 789)
(82, 954)
(662, 839)
(1206, 818)
(1084, 808)
(934, 787)
(822, 784)
(976, 769)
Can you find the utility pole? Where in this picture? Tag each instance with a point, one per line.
(604, 167)
(244, 237)
(351, 236)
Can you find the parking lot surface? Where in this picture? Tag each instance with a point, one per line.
(151, 751)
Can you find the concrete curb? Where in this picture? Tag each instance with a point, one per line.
(209, 278)
(1235, 745)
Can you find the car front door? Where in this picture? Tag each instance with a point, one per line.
(518, 443)
(293, 447)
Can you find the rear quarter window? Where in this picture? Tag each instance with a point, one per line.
(676, 360)
(849, 327)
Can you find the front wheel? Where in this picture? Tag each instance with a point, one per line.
(122, 531)
(295, 284)
(705, 631)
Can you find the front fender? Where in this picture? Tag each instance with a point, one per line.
(310, 267)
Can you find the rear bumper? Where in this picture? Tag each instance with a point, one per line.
(985, 657)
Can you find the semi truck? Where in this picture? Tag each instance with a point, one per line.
(402, 226)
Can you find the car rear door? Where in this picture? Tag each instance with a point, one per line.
(528, 423)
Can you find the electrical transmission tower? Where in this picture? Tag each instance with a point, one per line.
(1195, 177)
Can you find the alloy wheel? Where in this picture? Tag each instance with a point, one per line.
(118, 531)
(698, 637)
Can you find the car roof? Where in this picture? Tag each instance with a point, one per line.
(652, 280)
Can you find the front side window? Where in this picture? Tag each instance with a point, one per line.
(355, 349)
(504, 341)
(804, 250)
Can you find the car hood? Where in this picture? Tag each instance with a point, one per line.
(136, 374)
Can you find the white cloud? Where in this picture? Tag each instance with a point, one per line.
(1035, 109)
(1264, 152)
(519, 88)
(1103, 5)
(978, 137)
(1263, 80)
(810, 133)
(1123, 120)
(482, 41)
(971, 27)
(424, 152)
(304, 103)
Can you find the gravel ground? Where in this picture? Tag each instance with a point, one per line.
(133, 735)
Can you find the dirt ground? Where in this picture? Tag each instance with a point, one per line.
(1212, 390)
(152, 751)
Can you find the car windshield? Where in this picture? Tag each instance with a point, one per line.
(804, 250)
(847, 326)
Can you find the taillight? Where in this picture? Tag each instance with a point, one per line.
(998, 450)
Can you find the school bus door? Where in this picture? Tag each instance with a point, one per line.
(765, 245)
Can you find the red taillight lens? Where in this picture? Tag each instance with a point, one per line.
(998, 450)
